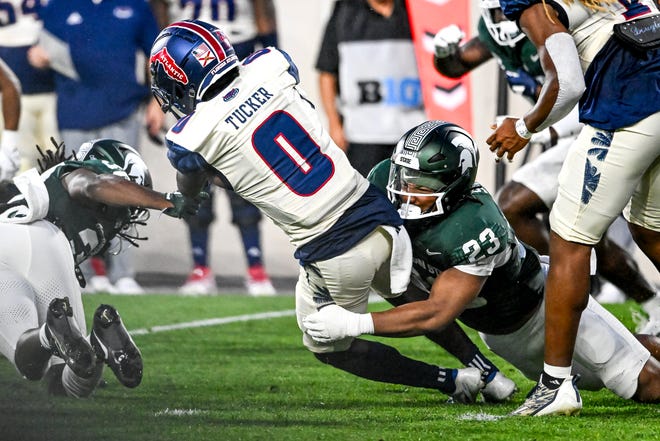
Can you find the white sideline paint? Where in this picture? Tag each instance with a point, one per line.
(180, 412)
(373, 298)
(214, 322)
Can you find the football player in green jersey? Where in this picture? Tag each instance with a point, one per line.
(49, 223)
(468, 260)
(532, 189)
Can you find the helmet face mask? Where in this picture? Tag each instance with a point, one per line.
(187, 58)
(433, 168)
(505, 32)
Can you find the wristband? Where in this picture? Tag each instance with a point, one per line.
(521, 129)
(9, 139)
(365, 324)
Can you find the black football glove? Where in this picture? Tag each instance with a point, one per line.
(184, 206)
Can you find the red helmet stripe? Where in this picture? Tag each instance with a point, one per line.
(205, 35)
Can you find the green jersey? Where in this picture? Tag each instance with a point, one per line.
(477, 239)
(89, 229)
(522, 56)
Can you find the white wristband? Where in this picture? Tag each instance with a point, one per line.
(9, 139)
(366, 324)
(521, 129)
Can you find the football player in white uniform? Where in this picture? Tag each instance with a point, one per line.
(49, 223)
(249, 24)
(604, 54)
(249, 127)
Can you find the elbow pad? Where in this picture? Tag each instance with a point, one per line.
(561, 49)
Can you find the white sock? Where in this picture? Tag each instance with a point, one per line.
(557, 371)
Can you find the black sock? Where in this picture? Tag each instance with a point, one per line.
(487, 368)
(551, 382)
(378, 362)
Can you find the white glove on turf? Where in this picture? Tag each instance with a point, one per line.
(334, 323)
(446, 41)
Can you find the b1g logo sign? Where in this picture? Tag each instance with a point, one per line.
(392, 92)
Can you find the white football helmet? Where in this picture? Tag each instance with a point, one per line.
(504, 31)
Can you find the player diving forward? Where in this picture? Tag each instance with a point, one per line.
(49, 223)
(466, 256)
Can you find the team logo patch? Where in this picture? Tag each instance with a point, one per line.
(172, 69)
(230, 95)
(203, 54)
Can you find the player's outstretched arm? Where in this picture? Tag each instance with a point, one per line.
(88, 187)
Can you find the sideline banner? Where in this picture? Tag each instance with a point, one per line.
(444, 98)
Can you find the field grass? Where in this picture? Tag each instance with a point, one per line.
(252, 380)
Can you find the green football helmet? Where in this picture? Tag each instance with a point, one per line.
(117, 153)
(439, 156)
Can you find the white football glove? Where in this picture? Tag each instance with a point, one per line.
(446, 41)
(10, 158)
(334, 323)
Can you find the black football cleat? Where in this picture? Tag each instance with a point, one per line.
(114, 345)
(66, 341)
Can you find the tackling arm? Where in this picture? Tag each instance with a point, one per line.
(90, 188)
(451, 293)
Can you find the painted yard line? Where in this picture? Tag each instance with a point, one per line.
(214, 322)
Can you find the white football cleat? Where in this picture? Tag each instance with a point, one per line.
(99, 284)
(128, 286)
(565, 400)
(499, 389)
(201, 281)
(468, 384)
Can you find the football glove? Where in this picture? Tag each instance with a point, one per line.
(332, 323)
(446, 41)
(522, 83)
(184, 206)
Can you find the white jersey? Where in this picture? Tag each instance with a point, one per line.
(267, 140)
(234, 17)
(19, 25)
(592, 29)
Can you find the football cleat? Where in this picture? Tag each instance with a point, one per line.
(499, 389)
(66, 340)
(201, 281)
(258, 283)
(565, 400)
(468, 384)
(115, 347)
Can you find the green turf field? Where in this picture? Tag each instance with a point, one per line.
(252, 380)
